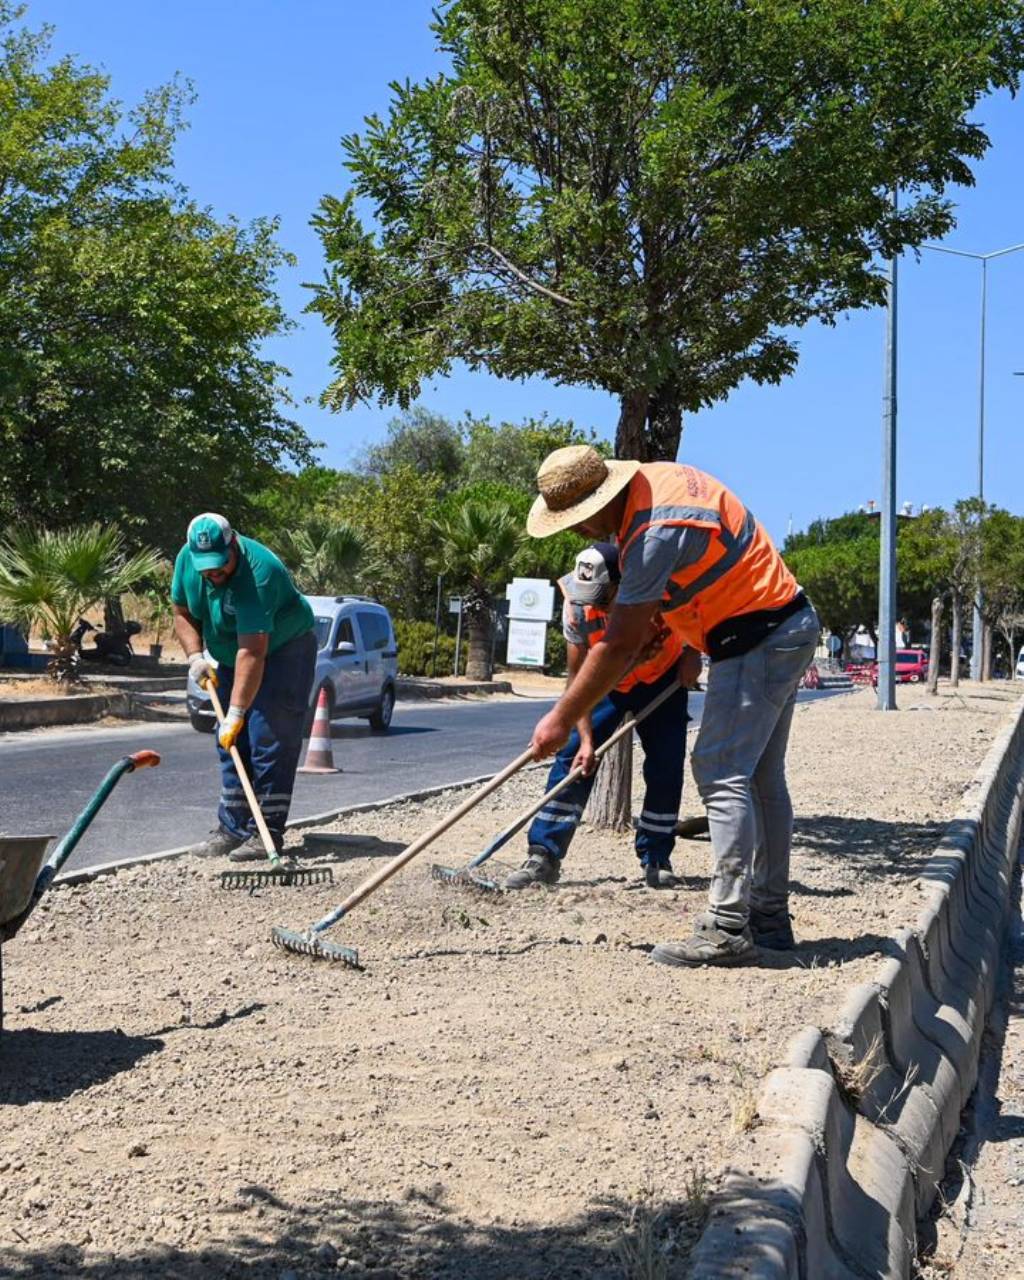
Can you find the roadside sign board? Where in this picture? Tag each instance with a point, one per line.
(455, 604)
(526, 643)
(530, 598)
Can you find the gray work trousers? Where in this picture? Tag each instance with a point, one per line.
(739, 765)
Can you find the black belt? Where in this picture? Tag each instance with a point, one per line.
(737, 636)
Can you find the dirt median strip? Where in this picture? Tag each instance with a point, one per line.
(509, 1088)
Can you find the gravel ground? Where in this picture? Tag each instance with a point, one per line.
(509, 1088)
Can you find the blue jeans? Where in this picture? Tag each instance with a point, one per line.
(271, 740)
(663, 738)
(739, 765)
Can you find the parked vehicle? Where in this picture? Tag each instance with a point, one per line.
(356, 664)
(1018, 673)
(114, 647)
(911, 666)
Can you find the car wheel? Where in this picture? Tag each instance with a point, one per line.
(381, 718)
(203, 724)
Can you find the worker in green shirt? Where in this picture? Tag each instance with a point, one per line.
(234, 598)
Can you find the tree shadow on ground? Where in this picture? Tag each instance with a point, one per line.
(419, 1238)
(360, 731)
(340, 847)
(869, 846)
(49, 1066)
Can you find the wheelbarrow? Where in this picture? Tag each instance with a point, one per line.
(25, 877)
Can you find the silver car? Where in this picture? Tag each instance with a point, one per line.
(356, 663)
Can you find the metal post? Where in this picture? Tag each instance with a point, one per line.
(458, 638)
(887, 554)
(977, 621)
(437, 627)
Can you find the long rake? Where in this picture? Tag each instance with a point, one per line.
(280, 872)
(465, 877)
(310, 942)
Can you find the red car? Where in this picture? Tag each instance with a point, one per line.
(911, 666)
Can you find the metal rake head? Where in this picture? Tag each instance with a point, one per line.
(308, 944)
(285, 875)
(464, 878)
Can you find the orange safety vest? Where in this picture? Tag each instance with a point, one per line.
(592, 623)
(740, 571)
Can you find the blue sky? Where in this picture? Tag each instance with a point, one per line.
(280, 83)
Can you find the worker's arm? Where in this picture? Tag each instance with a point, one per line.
(629, 627)
(186, 628)
(249, 664)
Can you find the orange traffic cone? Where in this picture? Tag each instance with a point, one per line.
(318, 755)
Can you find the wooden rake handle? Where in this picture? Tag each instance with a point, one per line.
(250, 795)
(417, 846)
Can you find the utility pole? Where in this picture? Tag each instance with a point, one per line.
(887, 557)
(983, 258)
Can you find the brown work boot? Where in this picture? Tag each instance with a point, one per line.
(710, 944)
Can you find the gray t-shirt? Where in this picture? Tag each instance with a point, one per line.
(655, 556)
(570, 630)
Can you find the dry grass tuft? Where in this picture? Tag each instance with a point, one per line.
(657, 1233)
(855, 1078)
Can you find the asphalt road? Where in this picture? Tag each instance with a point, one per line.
(47, 777)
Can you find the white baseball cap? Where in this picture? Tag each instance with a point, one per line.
(594, 574)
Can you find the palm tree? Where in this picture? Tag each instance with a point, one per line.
(322, 556)
(476, 545)
(48, 578)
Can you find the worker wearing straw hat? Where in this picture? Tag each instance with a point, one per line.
(690, 549)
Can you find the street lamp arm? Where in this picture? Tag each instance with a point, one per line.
(978, 257)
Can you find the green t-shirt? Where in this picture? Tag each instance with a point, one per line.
(258, 597)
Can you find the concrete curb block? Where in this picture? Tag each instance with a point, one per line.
(856, 1126)
(82, 874)
(72, 709)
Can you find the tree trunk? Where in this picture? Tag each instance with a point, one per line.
(650, 425)
(986, 651)
(478, 663)
(113, 614)
(954, 644)
(935, 646)
(611, 801)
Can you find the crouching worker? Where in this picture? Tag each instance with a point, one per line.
(234, 597)
(589, 591)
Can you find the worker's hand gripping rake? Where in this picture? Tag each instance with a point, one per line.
(310, 943)
(281, 871)
(467, 877)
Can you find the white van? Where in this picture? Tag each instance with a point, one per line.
(1018, 673)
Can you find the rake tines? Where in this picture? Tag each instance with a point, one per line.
(281, 875)
(308, 944)
(464, 878)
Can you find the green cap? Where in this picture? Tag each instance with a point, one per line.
(209, 541)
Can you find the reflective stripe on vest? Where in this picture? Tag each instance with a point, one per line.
(740, 570)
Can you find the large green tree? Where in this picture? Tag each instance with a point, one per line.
(132, 322)
(648, 196)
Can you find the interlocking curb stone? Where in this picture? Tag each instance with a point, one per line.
(856, 1126)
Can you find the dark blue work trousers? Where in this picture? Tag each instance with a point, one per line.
(271, 741)
(663, 737)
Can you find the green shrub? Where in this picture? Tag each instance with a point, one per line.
(554, 651)
(416, 647)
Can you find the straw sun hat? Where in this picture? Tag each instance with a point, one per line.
(575, 483)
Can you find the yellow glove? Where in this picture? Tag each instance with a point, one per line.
(232, 726)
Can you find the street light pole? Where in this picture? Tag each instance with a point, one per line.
(984, 258)
(887, 542)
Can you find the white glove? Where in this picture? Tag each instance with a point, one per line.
(201, 670)
(231, 727)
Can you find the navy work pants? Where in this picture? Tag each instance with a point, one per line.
(663, 738)
(271, 740)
